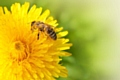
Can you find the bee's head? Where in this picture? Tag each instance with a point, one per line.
(32, 23)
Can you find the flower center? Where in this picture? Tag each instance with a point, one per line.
(18, 46)
(18, 51)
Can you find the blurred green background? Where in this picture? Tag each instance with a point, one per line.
(93, 27)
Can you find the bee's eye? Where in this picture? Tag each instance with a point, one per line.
(32, 23)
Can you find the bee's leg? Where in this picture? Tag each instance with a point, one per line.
(38, 36)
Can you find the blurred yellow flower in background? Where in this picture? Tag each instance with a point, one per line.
(22, 55)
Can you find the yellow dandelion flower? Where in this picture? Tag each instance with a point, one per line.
(22, 55)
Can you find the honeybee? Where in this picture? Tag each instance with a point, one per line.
(47, 29)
